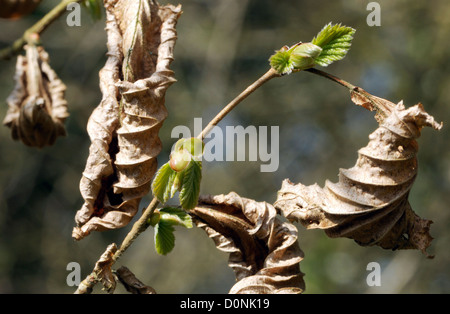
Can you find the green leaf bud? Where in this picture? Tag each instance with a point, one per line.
(179, 160)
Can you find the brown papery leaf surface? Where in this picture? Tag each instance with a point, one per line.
(370, 203)
(102, 273)
(124, 127)
(264, 252)
(37, 108)
(131, 283)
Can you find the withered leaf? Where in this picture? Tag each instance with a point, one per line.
(264, 251)
(131, 283)
(37, 109)
(370, 202)
(124, 127)
(102, 273)
(382, 106)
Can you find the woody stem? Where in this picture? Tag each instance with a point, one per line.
(37, 28)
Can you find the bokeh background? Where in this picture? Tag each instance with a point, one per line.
(224, 45)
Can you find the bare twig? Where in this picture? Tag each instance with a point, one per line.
(138, 227)
(227, 109)
(38, 28)
(375, 103)
(331, 77)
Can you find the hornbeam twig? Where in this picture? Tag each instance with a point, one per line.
(39, 27)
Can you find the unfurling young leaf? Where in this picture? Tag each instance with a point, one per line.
(335, 41)
(190, 188)
(164, 237)
(182, 173)
(331, 44)
(194, 146)
(177, 216)
(281, 61)
(162, 184)
(164, 229)
(299, 57)
(304, 54)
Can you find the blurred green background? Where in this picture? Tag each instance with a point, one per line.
(223, 45)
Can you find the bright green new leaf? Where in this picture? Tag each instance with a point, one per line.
(162, 183)
(335, 41)
(190, 188)
(281, 61)
(171, 187)
(304, 54)
(194, 146)
(177, 182)
(176, 216)
(164, 228)
(164, 237)
(299, 57)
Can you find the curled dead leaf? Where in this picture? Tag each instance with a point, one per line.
(102, 273)
(124, 127)
(37, 109)
(362, 98)
(370, 202)
(131, 283)
(264, 251)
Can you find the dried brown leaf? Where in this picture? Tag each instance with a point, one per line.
(264, 251)
(370, 202)
(124, 127)
(102, 273)
(131, 283)
(362, 98)
(37, 109)
(103, 268)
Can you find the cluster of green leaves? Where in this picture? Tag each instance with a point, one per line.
(331, 44)
(164, 222)
(183, 173)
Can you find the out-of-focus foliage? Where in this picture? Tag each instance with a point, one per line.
(222, 46)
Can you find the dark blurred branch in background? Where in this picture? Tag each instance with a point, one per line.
(38, 28)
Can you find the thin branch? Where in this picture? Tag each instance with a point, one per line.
(38, 28)
(138, 227)
(382, 106)
(227, 109)
(332, 77)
